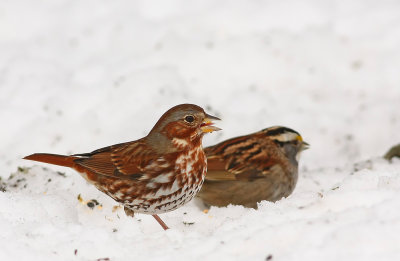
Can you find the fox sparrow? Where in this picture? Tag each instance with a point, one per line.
(247, 169)
(152, 175)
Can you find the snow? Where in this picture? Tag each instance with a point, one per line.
(79, 75)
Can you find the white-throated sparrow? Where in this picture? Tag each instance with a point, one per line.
(248, 169)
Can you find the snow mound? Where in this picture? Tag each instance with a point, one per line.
(357, 206)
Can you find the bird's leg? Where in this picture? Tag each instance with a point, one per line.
(129, 212)
(164, 226)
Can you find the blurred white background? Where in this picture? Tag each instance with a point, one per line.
(76, 75)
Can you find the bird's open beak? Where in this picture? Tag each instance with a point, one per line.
(207, 125)
(304, 146)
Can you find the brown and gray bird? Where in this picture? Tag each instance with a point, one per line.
(152, 175)
(248, 169)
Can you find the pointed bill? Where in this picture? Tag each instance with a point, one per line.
(207, 125)
(305, 146)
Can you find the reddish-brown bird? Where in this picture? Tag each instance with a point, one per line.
(152, 175)
(251, 168)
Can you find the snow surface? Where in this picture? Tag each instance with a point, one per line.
(78, 75)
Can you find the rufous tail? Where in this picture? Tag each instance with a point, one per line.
(60, 160)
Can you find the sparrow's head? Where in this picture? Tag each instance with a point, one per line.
(289, 141)
(183, 123)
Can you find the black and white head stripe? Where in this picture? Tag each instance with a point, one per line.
(282, 134)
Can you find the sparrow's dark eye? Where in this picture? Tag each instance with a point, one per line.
(189, 118)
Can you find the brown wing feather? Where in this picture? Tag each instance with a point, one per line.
(134, 157)
(245, 157)
(125, 160)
